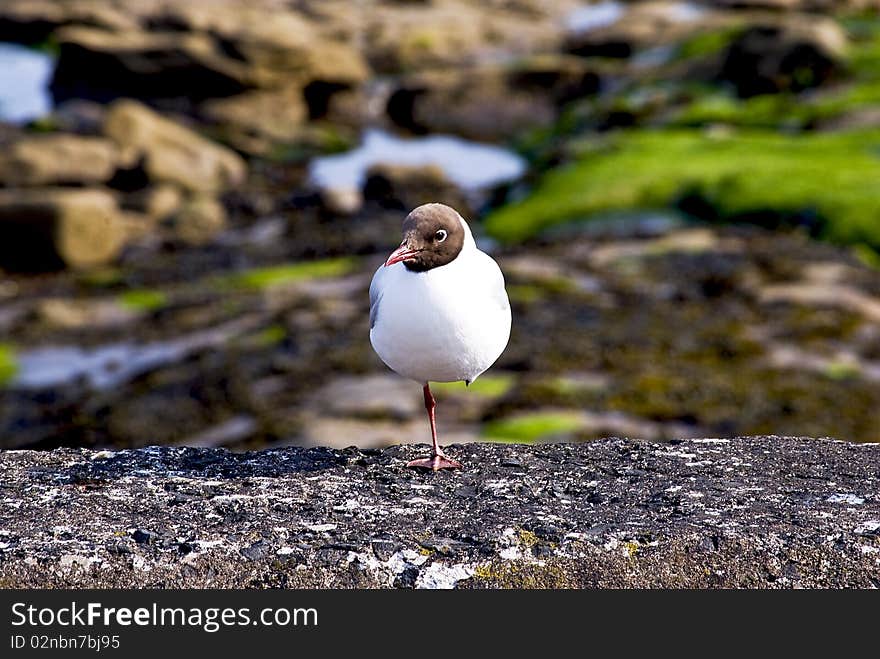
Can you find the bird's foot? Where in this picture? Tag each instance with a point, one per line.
(434, 463)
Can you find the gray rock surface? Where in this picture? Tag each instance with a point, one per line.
(773, 512)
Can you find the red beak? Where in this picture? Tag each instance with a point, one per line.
(402, 253)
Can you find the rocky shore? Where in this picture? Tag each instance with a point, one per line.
(759, 512)
(160, 108)
(178, 266)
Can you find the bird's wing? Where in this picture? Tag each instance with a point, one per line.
(495, 281)
(375, 295)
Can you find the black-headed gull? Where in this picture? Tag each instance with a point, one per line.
(438, 309)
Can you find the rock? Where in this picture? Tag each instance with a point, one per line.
(334, 63)
(64, 314)
(422, 45)
(33, 21)
(157, 202)
(790, 55)
(336, 432)
(154, 419)
(57, 158)
(274, 114)
(46, 227)
(102, 65)
(342, 104)
(562, 77)
(143, 537)
(418, 37)
(641, 25)
(78, 116)
(170, 152)
(614, 513)
(494, 102)
(287, 47)
(407, 186)
(858, 119)
(139, 227)
(255, 552)
(342, 201)
(236, 429)
(476, 106)
(371, 397)
(199, 220)
(819, 294)
(687, 241)
(202, 51)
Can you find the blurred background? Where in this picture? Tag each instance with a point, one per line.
(683, 196)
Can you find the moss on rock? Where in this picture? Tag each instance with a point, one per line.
(534, 426)
(261, 278)
(144, 299)
(487, 386)
(8, 366)
(827, 178)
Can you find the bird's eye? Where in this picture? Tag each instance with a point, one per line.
(440, 236)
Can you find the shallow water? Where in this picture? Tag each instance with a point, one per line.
(685, 12)
(653, 57)
(100, 368)
(605, 13)
(593, 17)
(114, 364)
(470, 165)
(24, 83)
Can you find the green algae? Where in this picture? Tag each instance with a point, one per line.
(828, 177)
(841, 370)
(867, 255)
(271, 335)
(103, 277)
(531, 427)
(143, 299)
(706, 44)
(263, 278)
(524, 293)
(717, 106)
(8, 363)
(566, 385)
(856, 88)
(486, 386)
(773, 111)
(651, 169)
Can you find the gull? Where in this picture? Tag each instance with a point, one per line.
(438, 309)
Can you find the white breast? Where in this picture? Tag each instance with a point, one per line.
(446, 324)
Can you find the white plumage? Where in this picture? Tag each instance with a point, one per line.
(446, 324)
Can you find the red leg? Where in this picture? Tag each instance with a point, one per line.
(437, 460)
(430, 404)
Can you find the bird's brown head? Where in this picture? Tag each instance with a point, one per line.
(433, 235)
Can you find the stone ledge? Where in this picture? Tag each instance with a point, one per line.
(747, 512)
